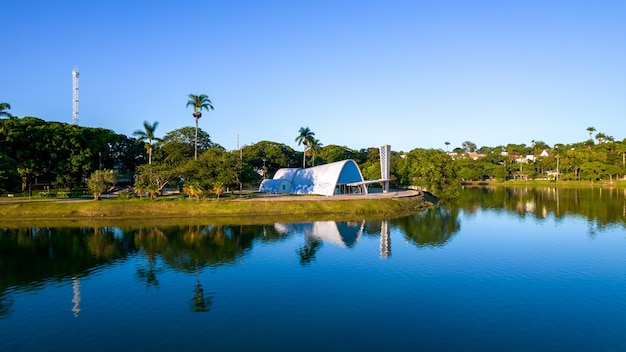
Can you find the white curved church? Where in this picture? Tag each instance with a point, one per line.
(341, 177)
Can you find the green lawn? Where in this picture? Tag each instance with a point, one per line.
(231, 211)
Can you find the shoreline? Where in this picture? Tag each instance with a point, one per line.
(259, 210)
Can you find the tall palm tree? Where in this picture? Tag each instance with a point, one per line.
(199, 102)
(591, 130)
(447, 145)
(147, 135)
(306, 137)
(3, 108)
(315, 147)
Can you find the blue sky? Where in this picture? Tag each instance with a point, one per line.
(413, 74)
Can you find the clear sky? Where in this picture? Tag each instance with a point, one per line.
(358, 73)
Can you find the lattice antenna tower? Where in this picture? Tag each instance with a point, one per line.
(75, 96)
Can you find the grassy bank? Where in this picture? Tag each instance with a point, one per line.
(166, 211)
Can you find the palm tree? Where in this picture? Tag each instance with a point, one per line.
(3, 108)
(591, 130)
(199, 102)
(147, 135)
(306, 137)
(447, 145)
(315, 146)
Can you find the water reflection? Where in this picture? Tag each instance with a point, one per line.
(201, 301)
(6, 304)
(76, 297)
(152, 242)
(601, 206)
(342, 234)
(433, 227)
(30, 257)
(307, 252)
(385, 240)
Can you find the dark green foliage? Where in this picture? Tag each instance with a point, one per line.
(60, 154)
(263, 159)
(332, 153)
(432, 227)
(429, 169)
(9, 177)
(214, 167)
(179, 145)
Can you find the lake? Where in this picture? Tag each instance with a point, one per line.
(503, 270)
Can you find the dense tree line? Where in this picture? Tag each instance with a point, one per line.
(36, 153)
(39, 154)
(602, 159)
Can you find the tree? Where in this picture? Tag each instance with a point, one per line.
(430, 169)
(213, 167)
(9, 177)
(100, 181)
(315, 147)
(332, 153)
(147, 135)
(469, 146)
(53, 152)
(601, 137)
(369, 162)
(126, 153)
(193, 189)
(265, 157)
(153, 178)
(179, 145)
(3, 110)
(591, 130)
(306, 138)
(199, 102)
(447, 145)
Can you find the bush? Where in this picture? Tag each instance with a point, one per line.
(62, 194)
(126, 195)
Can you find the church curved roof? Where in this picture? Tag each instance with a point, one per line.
(321, 179)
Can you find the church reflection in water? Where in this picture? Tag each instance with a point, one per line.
(73, 253)
(343, 234)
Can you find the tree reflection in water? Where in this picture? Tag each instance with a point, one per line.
(601, 206)
(6, 304)
(308, 250)
(201, 302)
(152, 242)
(32, 256)
(432, 227)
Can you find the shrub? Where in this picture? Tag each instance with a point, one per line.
(126, 195)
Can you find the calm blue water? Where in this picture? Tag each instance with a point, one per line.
(468, 279)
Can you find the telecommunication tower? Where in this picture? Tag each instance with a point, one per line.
(75, 96)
